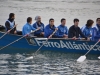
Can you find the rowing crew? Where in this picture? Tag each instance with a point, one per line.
(87, 31)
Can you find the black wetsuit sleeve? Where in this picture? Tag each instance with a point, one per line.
(7, 25)
(70, 33)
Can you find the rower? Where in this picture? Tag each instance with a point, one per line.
(28, 27)
(96, 31)
(75, 31)
(62, 29)
(87, 29)
(9, 24)
(38, 23)
(49, 29)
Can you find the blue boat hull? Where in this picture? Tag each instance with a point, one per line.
(27, 45)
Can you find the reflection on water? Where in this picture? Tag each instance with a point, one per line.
(48, 63)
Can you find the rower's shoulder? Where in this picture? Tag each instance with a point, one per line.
(47, 26)
(26, 25)
(7, 23)
(59, 26)
(71, 27)
(34, 23)
(95, 28)
(42, 23)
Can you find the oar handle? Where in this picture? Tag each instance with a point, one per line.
(12, 28)
(3, 35)
(93, 46)
(34, 31)
(52, 34)
(44, 42)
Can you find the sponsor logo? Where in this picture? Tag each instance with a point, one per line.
(67, 45)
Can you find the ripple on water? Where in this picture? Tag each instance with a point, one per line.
(48, 63)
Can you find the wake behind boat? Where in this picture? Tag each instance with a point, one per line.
(31, 44)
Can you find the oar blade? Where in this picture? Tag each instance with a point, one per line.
(81, 58)
(99, 57)
(29, 58)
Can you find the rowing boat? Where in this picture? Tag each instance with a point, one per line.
(31, 44)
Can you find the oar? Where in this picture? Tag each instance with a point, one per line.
(82, 58)
(8, 31)
(17, 40)
(99, 57)
(52, 34)
(41, 46)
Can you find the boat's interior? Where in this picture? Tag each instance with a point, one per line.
(3, 30)
(19, 33)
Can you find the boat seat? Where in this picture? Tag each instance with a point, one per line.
(19, 32)
(2, 28)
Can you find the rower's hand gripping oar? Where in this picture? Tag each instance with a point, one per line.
(8, 31)
(41, 46)
(82, 58)
(17, 39)
(53, 33)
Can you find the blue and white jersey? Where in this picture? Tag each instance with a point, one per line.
(41, 26)
(27, 28)
(62, 30)
(96, 33)
(48, 30)
(87, 31)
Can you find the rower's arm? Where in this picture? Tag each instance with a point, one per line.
(14, 27)
(33, 28)
(7, 25)
(70, 33)
(66, 31)
(46, 32)
(59, 35)
(82, 34)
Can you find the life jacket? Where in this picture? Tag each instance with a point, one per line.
(11, 24)
(41, 26)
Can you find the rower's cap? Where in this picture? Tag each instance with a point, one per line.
(36, 17)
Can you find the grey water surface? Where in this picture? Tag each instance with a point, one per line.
(48, 63)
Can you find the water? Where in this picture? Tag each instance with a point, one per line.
(47, 9)
(49, 63)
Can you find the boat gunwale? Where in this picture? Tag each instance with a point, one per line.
(39, 38)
